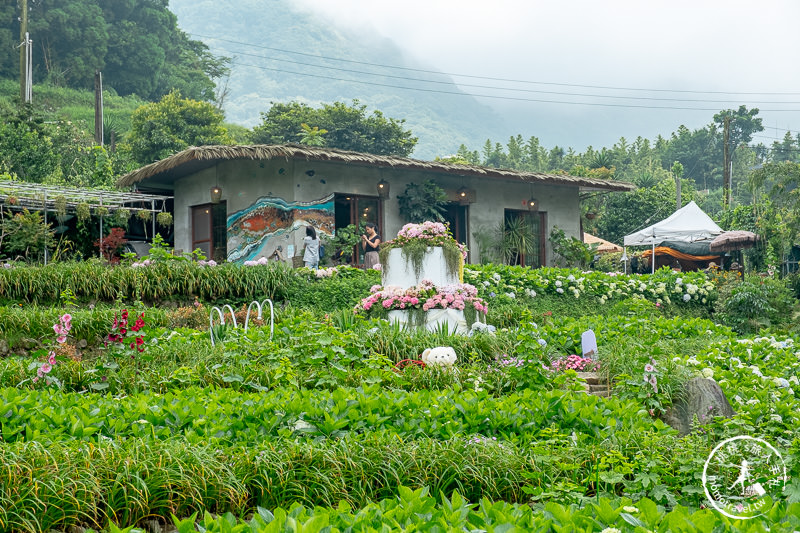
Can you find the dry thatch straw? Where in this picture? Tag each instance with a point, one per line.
(310, 153)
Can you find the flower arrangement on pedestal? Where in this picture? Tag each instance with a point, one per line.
(424, 297)
(416, 239)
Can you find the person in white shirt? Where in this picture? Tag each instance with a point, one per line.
(311, 255)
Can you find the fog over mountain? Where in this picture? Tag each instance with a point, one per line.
(283, 54)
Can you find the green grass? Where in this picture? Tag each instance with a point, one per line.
(76, 105)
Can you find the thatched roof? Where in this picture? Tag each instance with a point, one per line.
(194, 159)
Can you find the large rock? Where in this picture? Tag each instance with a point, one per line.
(702, 397)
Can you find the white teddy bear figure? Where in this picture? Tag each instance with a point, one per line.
(441, 355)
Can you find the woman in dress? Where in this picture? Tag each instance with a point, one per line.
(370, 241)
(311, 255)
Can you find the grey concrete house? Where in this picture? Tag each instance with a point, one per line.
(245, 202)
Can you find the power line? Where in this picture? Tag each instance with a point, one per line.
(496, 97)
(461, 75)
(512, 89)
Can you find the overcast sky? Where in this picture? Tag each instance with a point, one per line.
(704, 46)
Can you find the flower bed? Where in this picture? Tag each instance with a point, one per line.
(424, 297)
(665, 287)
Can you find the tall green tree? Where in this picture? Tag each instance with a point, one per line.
(163, 128)
(781, 181)
(135, 43)
(349, 127)
(743, 124)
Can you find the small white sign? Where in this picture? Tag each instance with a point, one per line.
(588, 343)
(290, 250)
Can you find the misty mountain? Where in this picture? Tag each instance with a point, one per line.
(283, 54)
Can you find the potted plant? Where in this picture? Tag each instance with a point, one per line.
(60, 204)
(416, 241)
(164, 219)
(83, 212)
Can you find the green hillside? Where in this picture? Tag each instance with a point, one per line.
(265, 72)
(76, 105)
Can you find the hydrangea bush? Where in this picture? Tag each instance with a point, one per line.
(665, 287)
(425, 297)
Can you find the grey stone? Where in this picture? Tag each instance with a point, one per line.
(702, 397)
(152, 526)
(29, 344)
(4, 348)
(82, 344)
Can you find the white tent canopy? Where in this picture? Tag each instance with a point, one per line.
(687, 224)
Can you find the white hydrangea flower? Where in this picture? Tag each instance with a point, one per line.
(560, 290)
(776, 418)
(752, 401)
(687, 297)
(558, 283)
(708, 373)
(781, 382)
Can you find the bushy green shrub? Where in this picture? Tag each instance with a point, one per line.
(756, 302)
(342, 290)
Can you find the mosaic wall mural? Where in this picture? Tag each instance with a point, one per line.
(258, 230)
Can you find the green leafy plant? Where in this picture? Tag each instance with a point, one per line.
(421, 202)
(60, 204)
(756, 302)
(164, 219)
(570, 250)
(515, 237)
(344, 242)
(25, 234)
(83, 212)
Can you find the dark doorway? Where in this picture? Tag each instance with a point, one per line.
(531, 225)
(357, 210)
(209, 230)
(457, 217)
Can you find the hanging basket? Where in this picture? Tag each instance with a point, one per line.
(12, 200)
(60, 204)
(101, 211)
(164, 219)
(143, 215)
(82, 211)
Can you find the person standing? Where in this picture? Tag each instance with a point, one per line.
(370, 241)
(311, 255)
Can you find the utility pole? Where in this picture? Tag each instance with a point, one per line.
(677, 171)
(98, 107)
(726, 164)
(23, 58)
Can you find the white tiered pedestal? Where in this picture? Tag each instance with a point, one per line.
(399, 272)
